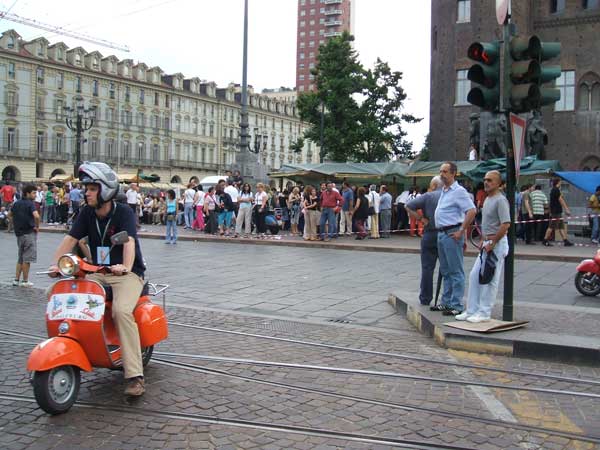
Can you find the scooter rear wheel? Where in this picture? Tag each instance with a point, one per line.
(147, 354)
(587, 284)
(56, 389)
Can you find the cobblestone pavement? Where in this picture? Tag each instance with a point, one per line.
(388, 408)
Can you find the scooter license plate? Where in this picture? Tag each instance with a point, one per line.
(86, 307)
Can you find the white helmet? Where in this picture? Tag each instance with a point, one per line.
(102, 175)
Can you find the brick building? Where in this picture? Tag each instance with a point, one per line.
(573, 124)
(317, 21)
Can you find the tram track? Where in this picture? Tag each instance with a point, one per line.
(264, 426)
(391, 405)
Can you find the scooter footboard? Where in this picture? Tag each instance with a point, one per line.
(55, 352)
(152, 323)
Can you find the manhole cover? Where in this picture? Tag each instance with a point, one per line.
(339, 320)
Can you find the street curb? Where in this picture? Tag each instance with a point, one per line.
(333, 246)
(571, 350)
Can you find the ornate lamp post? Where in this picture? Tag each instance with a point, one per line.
(79, 119)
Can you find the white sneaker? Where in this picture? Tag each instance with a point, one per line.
(16, 283)
(26, 284)
(462, 316)
(594, 241)
(477, 319)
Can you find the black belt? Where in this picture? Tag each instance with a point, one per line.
(448, 227)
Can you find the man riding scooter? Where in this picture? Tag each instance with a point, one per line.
(101, 218)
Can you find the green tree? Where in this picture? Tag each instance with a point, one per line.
(425, 153)
(381, 117)
(339, 77)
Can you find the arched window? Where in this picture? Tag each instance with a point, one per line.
(584, 97)
(595, 104)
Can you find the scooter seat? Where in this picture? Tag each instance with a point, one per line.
(109, 292)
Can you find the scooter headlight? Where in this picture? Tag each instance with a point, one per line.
(64, 327)
(67, 265)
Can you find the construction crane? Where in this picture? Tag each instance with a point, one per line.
(59, 30)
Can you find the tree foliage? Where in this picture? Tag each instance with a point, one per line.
(425, 153)
(356, 112)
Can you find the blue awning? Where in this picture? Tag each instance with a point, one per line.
(586, 181)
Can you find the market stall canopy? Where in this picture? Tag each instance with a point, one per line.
(128, 177)
(530, 165)
(432, 168)
(343, 170)
(586, 181)
(62, 177)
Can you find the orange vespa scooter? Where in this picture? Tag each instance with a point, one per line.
(82, 333)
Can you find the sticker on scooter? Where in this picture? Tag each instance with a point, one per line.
(86, 307)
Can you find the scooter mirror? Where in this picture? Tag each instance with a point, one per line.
(119, 238)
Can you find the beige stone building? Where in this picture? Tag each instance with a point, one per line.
(167, 125)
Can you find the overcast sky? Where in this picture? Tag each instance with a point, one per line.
(204, 38)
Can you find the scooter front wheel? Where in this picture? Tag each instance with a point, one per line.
(587, 283)
(56, 389)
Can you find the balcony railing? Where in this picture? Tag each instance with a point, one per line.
(333, 12)
(333, 2)
(187, 164)
(53, 156)
(11, 110)
(333, 33)
(333, 23)
(14, 153)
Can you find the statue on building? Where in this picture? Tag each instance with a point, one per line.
(474, 130)
(536, 136)
(496, 132)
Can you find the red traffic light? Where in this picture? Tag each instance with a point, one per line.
(486, 53)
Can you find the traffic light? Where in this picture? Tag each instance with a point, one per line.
(486, 74)
(527, 73)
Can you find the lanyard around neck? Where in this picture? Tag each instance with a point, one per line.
(102, 236)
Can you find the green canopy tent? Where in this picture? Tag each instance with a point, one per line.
(359, 172)
(530, 167)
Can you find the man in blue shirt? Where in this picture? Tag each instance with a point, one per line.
(385, 211)
(75, 196)
(454, 213)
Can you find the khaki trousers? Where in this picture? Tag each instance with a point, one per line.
(345, 222)
(126, 292)
(375, 226)
(310, 223)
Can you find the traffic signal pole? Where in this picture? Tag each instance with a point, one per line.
(509, 264)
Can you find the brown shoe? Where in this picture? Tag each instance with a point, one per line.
(135, 387)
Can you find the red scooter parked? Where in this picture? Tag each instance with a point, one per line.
(587, 280)
(82, 333)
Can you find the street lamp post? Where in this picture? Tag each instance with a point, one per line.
(79, 119)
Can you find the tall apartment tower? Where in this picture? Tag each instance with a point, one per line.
(317, 21)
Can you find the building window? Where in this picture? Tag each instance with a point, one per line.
(78, 84)
(178, 125)
(155, 153)
(462, 87)
(60, 80)
(590, 4)
(167, 124)
(557, 6)
(178, 103)
(584, 97)
(40, 75)
(11, 71)
(11, 140)
(11, 42)
(59, 143)
(111, 90)
(94, 147)
(127, 94)
(464, 11)
(126, 150)
(59, 109)
(110, 148)
(302, 23)
(156, 99)
(11, 103)
(95, 63)
(140, 150)
(167, 101)
(40, 106)
(142, 96)
(302, 13)
(77, 59)
(211, 132)
(59, 54)
(595, 99)
(95, 88)
(566, 84)
(40, 142)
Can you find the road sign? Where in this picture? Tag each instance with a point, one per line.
(501, 11)
(518, 126)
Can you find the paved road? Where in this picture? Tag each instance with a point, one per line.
(307, 283)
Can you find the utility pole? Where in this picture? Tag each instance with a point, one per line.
(79, 119)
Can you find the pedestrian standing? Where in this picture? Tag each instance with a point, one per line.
(401, 213)
(39, 198)
(360, 212)
(244, 216)
(495, 222)
(346, 215)
(26, 224)
(233, 193)
(527, 215)
(188, 205)
(210, 204)
(385, 211)
(414, 220)
(75, 196)
(454, 213)
(310, 204)
(427, 203)
(260, 209)
(293, 204)
(374, 203)
(558, 205)
(539, 204)
(594, 205)
(51, 205)
(198, 223)
(171, 218)
(330, 201)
